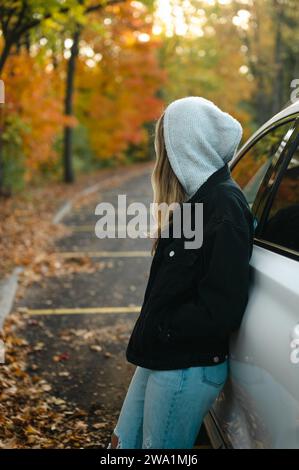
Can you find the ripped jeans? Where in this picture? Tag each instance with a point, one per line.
(164, 409)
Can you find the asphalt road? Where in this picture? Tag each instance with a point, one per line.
(82, 352)
(82, 355)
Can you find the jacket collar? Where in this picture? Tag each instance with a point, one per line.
(218, 176)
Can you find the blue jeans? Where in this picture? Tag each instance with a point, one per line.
(164, 409)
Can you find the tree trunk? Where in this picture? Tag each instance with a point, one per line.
(68, 108)
(5, 54)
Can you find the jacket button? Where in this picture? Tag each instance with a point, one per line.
(216, 359)
(171, 253)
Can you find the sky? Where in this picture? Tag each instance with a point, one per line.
(170, 17)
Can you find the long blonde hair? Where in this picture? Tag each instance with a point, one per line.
(166, 186)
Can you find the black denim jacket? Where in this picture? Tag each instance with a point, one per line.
(196, 297)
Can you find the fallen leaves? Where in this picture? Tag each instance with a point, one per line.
(95, 347)
(99, 425)
(61, 357)
(31, 416)
(32, 413)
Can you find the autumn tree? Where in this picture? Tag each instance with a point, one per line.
(20, 21)
(202, 55)
(36, 73)
(19, 18)
(118, 82)
(76, 32)
(269, 33)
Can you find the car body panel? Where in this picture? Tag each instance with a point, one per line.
(259, 405)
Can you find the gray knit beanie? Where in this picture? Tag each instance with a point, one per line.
(199, 139)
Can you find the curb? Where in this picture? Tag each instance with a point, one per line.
(64, 209)
(8, 288)
(68, 205)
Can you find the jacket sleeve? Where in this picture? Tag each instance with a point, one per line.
(221, 294)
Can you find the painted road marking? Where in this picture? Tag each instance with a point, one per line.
(78, 310)
(82, 228)
(104, 254)
(111, 230)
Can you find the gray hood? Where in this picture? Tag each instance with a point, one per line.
(199, 139)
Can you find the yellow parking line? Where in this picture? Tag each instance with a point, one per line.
(81, 228)
(104, 254)
(76, 311)
(91, 228)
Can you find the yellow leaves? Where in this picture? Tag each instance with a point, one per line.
(129, 39)
(96, 348)
(38, 346)
(51, 24)
(31, 430)
(119, 94)
(46, 387)
(58, 401)
(8, 443)
(99, 425)
(81, 426)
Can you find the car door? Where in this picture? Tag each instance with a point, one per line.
(259, 405)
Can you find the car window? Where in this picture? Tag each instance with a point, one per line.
(250, 170)
(282, 224)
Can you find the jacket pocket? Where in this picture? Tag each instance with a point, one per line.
(164, 332)
(215, 375)
(175, 253)
(149, 329)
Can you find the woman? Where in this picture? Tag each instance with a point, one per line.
(194, 297)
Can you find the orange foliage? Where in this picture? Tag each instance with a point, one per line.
(118, 95)
(35, 95)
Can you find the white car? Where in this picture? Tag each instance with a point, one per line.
(259, 405)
